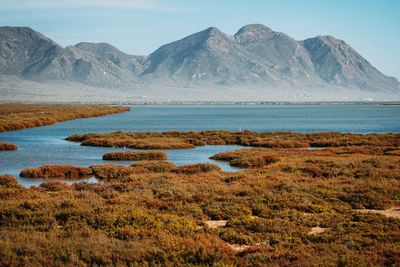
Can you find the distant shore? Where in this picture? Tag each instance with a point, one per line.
(21, 116)
(174, 102)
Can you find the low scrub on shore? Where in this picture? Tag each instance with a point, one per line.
(196, 168)
(154, 213)
(155, 166)
(150, 143)
(394, 152)
(135, 155)
(8, 181)
(116, 172)
(247, 158)
(182, 140)
(275, 142)
(20, 116)
(56, 171)
(7, 146)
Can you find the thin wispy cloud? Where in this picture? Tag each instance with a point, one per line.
(149, 5)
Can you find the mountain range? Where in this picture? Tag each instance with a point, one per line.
(256, 63)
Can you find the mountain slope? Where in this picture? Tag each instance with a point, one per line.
(109, 55)
(21, 48)
(281, 52)
(92, 64)
(27, 53)
(209, 56)
(258, 56)
(338, 63)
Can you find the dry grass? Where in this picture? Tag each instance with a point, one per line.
(155, 166)
(150, 143)
(8, 181)
(7, 146)
(393, 152)
(247, 158)
(274, 142)
(116, 172)
(57, 171)
(196, 168)
(135, 155)
(21, 116)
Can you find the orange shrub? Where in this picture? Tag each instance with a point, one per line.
(155, 166)
(196, 168)
(116, 172)
(135, 155)
(366, 150)
(148, 143)
(7, 146)
(54, 186)
(395, 152)
(269, 142)
(9, 181)
(57, 171)
(247, 158)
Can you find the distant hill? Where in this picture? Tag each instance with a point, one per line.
(256, 58)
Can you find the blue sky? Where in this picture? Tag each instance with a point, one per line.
(372, 27)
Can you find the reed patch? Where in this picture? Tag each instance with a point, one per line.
(135, 155)
(4, 146)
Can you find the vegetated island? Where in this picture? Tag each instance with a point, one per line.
(186, 140)
(135, 155)
(337, 206)
(4, 146)
(21, 116)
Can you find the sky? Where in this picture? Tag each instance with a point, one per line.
(371, 27)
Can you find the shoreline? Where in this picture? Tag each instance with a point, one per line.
(23, 116)
(185, 103)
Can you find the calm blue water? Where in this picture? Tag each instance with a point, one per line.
(45, 145)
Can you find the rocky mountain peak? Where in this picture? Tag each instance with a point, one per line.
(253, 33)
(98, 48)
(211, 31)
(21, 47)
(17, 33)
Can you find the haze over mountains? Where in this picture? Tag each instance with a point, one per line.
(255, 64)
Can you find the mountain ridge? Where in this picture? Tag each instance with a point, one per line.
(255, 56)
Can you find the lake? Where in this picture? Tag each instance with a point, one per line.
(45, 145)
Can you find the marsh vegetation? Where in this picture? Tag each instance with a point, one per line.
(135, 155)
(181, 140)
(21, 116)
(287, 206)
(4, 146)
